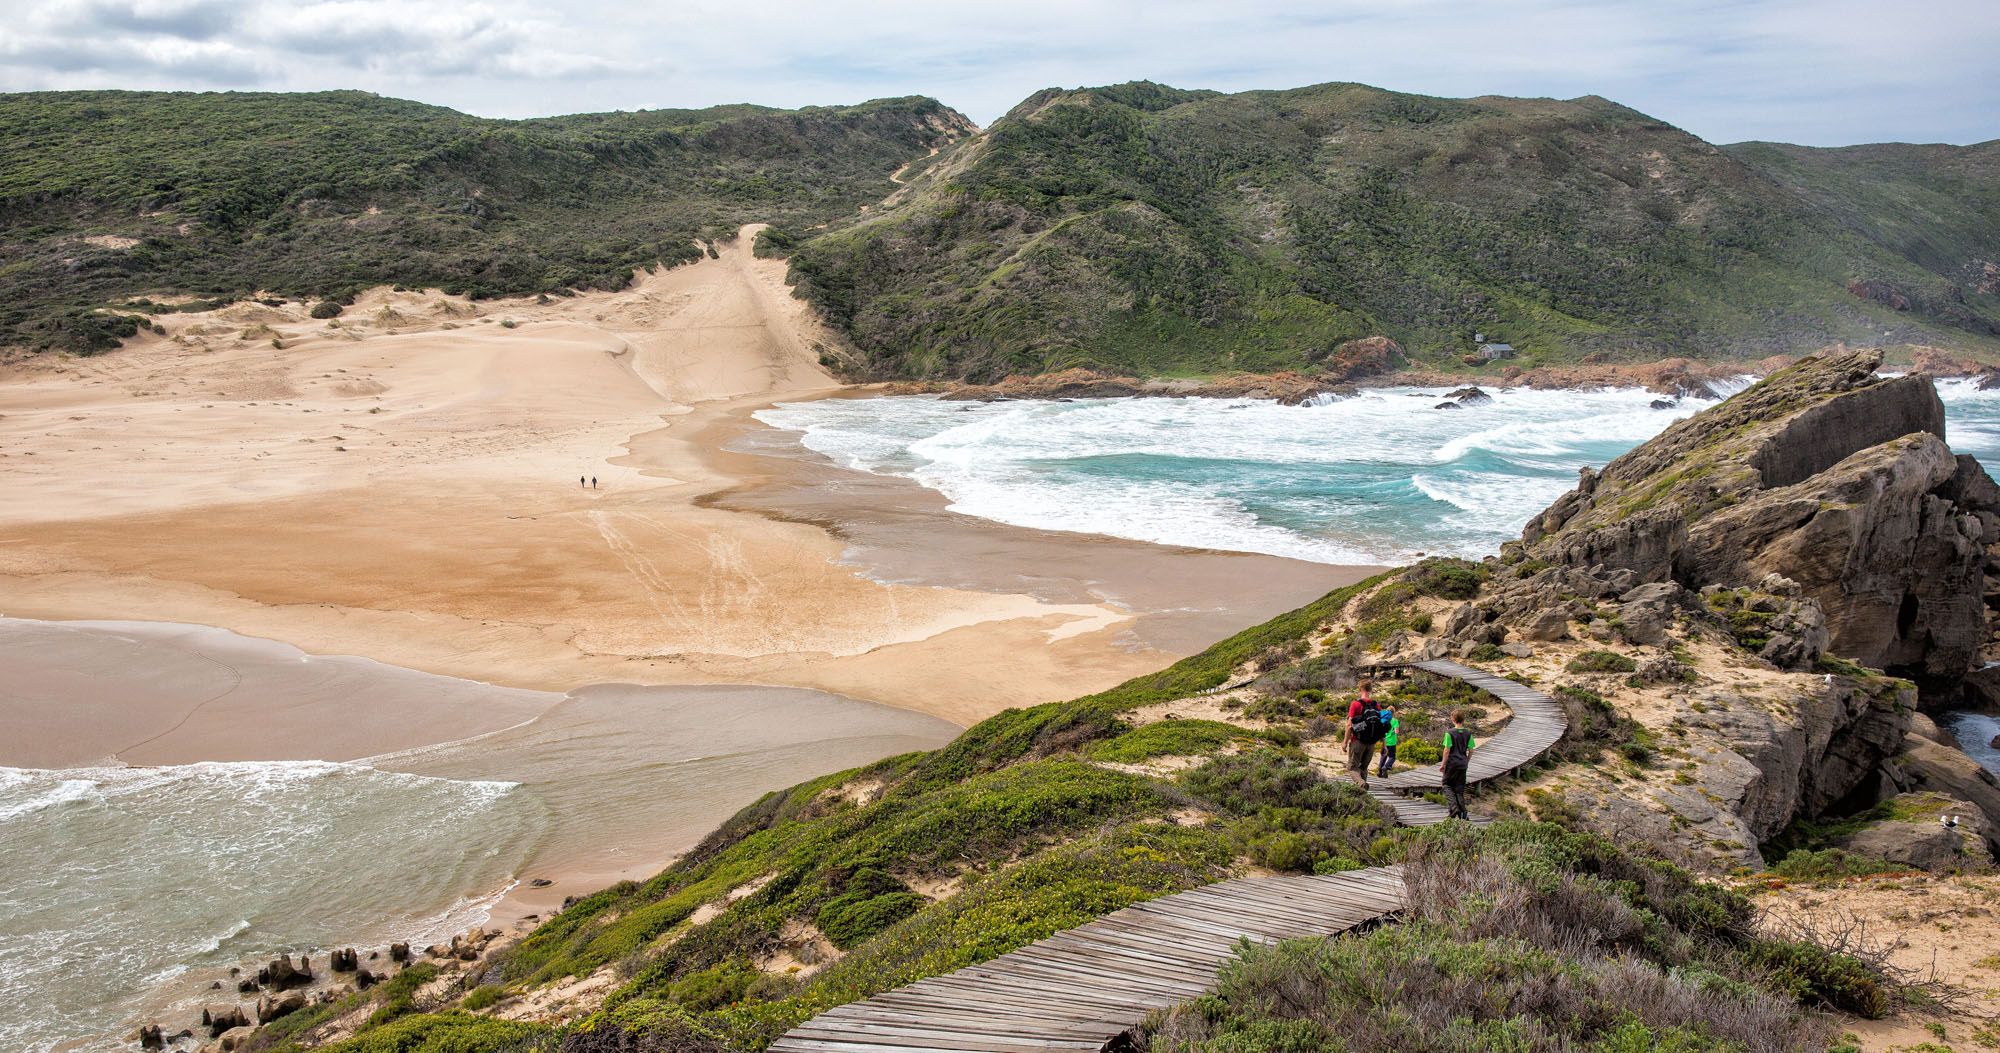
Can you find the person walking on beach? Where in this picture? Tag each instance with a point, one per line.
(1364, 724)
(1457, 761)
(1390, 727)
(593, 482)
(579, 480)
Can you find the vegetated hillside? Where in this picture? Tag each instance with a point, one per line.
(1040, 819)
(1142, 229)
(109, 195)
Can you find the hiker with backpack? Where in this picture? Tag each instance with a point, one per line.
(1457, 761)
(1363, 731)
(1390, 727)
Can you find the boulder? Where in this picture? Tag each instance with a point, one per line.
(1648, 611)
(246, 986)
(343, 961)
(281, 974)
(1447, 405)
(234, 1038)
(1927, 832)
(399, 952)
(150, 1037)
(1469, 396)
(1664, 403)
(363, 979)
(221, 1017)
(273, 1007)
(1924, 765)
(441, 950)
(1517, 650)
(1548, 625)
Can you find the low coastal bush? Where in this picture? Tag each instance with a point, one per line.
(1523, 938)
(1168, 738)
(1447, 578)
(1601, 662)
(452, 1032)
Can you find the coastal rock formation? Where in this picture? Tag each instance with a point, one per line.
(220, 1018)
(273, 1007)
(1826, 474)
(281, 974)
(1925, 765)
(1927, 832)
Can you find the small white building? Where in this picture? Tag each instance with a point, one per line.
(1493, 352)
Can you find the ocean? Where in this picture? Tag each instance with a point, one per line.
(1380, 477)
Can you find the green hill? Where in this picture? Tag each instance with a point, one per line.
(109, 195)
(1140, 228)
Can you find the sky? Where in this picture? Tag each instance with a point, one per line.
(1822, 72)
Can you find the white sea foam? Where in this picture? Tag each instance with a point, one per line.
(1377, 477)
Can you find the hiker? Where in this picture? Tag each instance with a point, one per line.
(1364, 727)
(1390, 726)
(1457, 760)
(579, 480)
(593, 482)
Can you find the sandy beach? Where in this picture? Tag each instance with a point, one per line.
(404, 487)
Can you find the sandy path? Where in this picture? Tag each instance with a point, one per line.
(403, 486)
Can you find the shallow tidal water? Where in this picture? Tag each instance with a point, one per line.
(125, 891)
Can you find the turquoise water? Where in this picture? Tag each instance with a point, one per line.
(1377, 478)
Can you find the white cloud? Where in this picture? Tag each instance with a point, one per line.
(1821, 71)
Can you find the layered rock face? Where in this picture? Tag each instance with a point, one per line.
(1826, 474)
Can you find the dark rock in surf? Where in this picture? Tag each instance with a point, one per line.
(343, 961)
(399, 952)
(1664, 403)
(151, 1038)
(220, 1018)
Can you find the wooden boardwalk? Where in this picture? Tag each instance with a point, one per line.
(1082, 989)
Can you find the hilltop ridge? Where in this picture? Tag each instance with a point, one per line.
(1142, 229)
(117, 205)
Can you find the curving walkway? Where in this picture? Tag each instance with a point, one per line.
(1082, 989)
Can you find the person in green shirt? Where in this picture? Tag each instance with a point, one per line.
(1457, 761)
(1390, 726)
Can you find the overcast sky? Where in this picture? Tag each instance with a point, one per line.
(1826, 72)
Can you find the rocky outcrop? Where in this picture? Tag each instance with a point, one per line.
(1927, 832)
(1823, 473)
(1928, 766)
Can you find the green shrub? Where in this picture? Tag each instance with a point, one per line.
(1447, 578)
(1601, 662)
(326, 309)
(483, 996)
(1815, 974)
(1804, 864)
(1167, 738)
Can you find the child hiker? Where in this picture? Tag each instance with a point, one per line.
(1390, 727)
